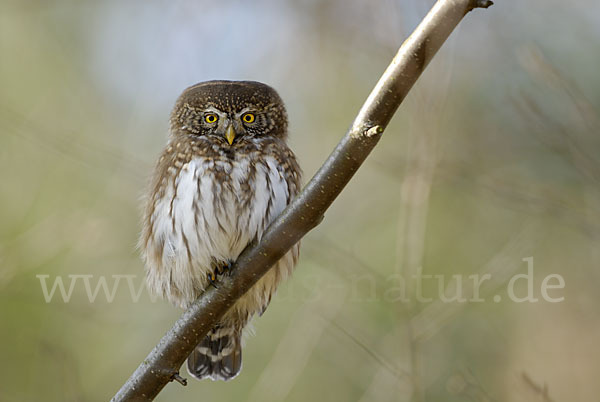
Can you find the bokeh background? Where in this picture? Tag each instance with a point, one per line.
(493, 158)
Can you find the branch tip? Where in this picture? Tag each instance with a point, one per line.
(179, 379)
(482, 3)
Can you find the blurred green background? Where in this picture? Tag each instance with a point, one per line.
(493, 158)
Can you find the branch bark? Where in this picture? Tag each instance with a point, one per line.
(306, 211)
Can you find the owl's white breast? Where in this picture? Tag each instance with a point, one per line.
(211, 212)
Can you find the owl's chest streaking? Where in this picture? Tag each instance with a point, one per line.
(208, 209)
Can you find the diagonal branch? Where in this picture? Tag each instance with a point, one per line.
(306, 211)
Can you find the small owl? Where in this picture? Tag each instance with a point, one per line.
(225, 174)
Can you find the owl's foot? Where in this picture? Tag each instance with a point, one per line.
(224, 268)
(220, 270)
(212, 279)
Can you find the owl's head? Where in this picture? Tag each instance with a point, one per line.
(229, 112)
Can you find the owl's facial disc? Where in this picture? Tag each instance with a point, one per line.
(207, 109)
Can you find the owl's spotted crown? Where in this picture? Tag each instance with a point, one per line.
(231, 97)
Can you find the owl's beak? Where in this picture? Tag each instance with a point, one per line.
(230, 134)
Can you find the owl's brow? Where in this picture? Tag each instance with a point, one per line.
(212, 109)
(244, 110)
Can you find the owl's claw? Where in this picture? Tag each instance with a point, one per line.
(212, 279)
(224, 268)
(220, 270)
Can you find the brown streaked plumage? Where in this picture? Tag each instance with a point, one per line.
(224, 175)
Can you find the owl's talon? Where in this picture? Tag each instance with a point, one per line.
(221, 269)
(212, 279)
(225, 268)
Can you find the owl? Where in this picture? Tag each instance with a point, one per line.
(225, 174)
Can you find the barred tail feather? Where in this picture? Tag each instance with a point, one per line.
(218, 356)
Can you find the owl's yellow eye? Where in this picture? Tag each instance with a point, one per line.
(248, 118)
(210, 118)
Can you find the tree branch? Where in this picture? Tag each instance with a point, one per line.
(306, 211)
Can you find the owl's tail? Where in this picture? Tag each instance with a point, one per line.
(218, 356)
